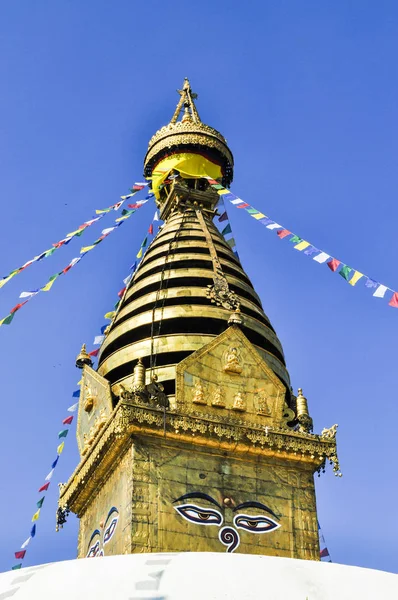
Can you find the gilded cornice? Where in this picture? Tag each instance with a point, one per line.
(229, 434)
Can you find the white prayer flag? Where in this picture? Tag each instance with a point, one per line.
(274, 226)
(49, 475)
(141, 202)
(92, 221)
(322, 257)
(27, 294)
(144, 183)
(26, 542)
(74, 261)
(117, 205)
(237, 201)
(107, 230)
(73, 407)
(156, 216)
(98, 339)
(127, 280)
(381, 290)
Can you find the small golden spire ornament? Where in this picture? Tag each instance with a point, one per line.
(235, 318)
(303, 416)
(83, 358)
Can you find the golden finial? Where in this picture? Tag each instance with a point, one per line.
(235, 318)
(186, 101)
(303, 416)
(83, 358)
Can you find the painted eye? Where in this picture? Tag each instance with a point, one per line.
(109, 531)
(255, 524)
(94, 550)
(200, 515)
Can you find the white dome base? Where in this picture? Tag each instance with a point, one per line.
(196, 576)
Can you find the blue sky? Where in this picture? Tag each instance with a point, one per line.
(305, 93)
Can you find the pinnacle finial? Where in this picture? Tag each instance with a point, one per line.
(187, 101)
(83, 358)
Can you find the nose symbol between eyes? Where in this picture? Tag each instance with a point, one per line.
(229, 537)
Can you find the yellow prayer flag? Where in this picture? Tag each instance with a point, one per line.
(4, 281)
(59, 451)
(48, 285)
(222, 192)
(122, 218)
(36, 516)
(139, 255)
(86, 249)
(80, 381)
(302, 245)
(259, 216)
(109, 315)
(99, 212)
(73, 233)
(355, 278)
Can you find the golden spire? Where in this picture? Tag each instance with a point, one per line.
(83, 358)
(187, 100)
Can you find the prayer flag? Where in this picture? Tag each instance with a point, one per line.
(26, 542)
(99, 212)
(73, 408)
(54, 464)
(36, 515)
(20, 554)
(237, 201)
(92, 221)
(86, 249)
(50, 283)
(224, 217)
(28, 294)
(109, 315)
(33, 531)
(253, 211)
(345, 272)
(127, 279)
(333, 264)
(5, 280)
(39, 504)
(121, 292)
(93, 352)
(144, 243)
(381, 290)
(302, 245)
(150, 230)
(156, 216)
(258, 216)
(139, 255)
(324, 552)
(15, 567)
(223, 191)
(98, 339)
(60, 448)
(49, 252)
(63, 433)
(68, 420)
(133, 266)
(7, 320)
(117, 205)
(242, 205)
(371, 283)
(231, 243)
(394, 300)
(266, 221)
(76, 394)
(44, 487)
(282, 233)
(295, 239)
(48, 477)
(226, 230)
(322, 257)
(103, 328)
(355, 278)
(18, 306)
(107, 230)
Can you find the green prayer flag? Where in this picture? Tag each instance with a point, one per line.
(63, 433)
(8, 319)
(49, 252)
(295, 239)
(231, 243)
(252, 211)
(39, 504)
(117, 304)
(15, 567)
(227, 229)
(80, 232)
(345, 272)
(144, 243)
(217, 186)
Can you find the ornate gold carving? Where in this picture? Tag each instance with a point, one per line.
(239, 404)
(303, 416)
(89, 399)
(218, 398)
(232, 361)
(330, 433)
(83, 358)
(262, 404)
(198, 395)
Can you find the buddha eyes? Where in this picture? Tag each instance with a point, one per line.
(94, 550)
(109, 531)
(255, 524)
(197, 514)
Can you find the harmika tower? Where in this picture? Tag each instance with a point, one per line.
(190, 436)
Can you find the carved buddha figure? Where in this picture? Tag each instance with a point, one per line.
(239, 403)
(89, 399)
(217, 399)
(262, 404)
(232, 363)
(198, 395)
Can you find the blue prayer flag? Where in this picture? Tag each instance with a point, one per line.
(55, 463)
(33, 531)
(76, 394)
(371, 283)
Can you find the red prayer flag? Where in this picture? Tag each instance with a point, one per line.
(17, 307)
(94, 352)
(120, 294)
(283, 233)
(333, 264)
(138, 187)
(212, 181)
(243, 205)
(20, 554)
(324, 552)
(150, 230)
(66, 269)
(45, 487)
(68, 420)
(133, 205)
(394, 300)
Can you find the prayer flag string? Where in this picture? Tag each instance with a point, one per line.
(27, 296)
(349, 274)
(323, 551)
(137, 187)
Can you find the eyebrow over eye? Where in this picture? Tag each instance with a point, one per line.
(199, 515)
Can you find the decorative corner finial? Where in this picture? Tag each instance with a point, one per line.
(303, 416)
(235, 318)
(83, 358)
